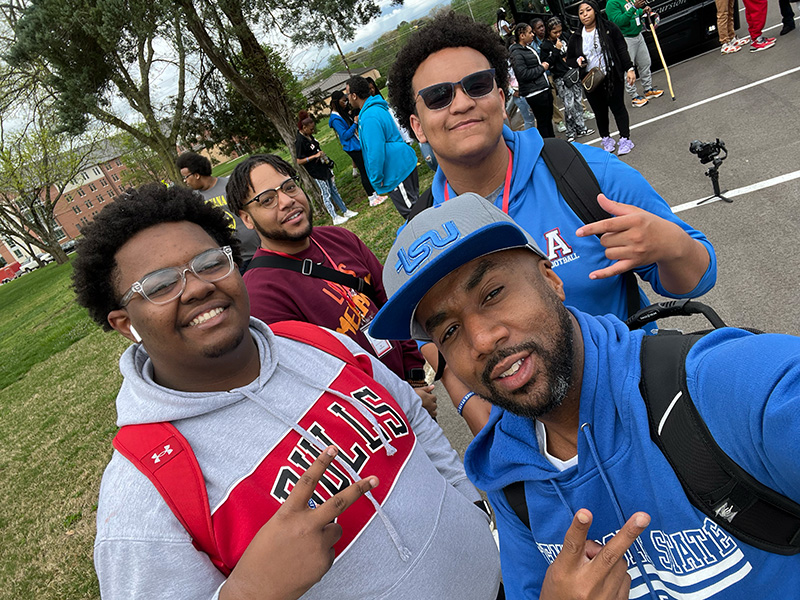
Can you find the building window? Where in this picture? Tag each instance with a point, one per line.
(104, 182)
(18, 253)
(114, 177)
(88, 204)
(100, 199)
(94, 212)
(84, 221)
(97, 171)
(118, 162)
(69, 198)
(93, 187)
(76, 210)
(111, 194)
(81, 193)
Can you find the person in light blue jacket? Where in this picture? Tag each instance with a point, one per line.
(347, 131)
(391, 163)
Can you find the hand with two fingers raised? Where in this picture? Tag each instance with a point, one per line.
(294, 549)
(634, 237)
(586, 570)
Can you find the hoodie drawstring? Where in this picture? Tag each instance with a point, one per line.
(402, 550)
(587, 432)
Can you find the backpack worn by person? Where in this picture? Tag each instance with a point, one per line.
(578, 186)
(713, 482)
(161, 452)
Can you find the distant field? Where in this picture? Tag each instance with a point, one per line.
(58, 382)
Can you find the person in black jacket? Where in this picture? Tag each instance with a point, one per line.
(600, 43)
(554, 52)
(533, 83)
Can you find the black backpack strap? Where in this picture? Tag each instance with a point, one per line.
(312, 269)
(515, 495)
(578, 185)
(424, 201)
(713, 482)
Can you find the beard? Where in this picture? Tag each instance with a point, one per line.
(279, 235)
(557, 370)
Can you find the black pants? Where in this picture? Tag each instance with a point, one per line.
(542, 108)
(611, 97)
(405, 195)
(787, 14)
(358, 159)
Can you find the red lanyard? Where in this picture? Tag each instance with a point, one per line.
(506, 183)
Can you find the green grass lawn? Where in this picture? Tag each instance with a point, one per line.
(58, 382)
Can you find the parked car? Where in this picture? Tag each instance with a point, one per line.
(69, 246)
(28, 266)
(45, 257)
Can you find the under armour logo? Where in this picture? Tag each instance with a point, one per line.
(726, 511)
(157, 455)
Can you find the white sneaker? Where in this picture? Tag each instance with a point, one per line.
(350, 213)
(376, 200)
(561, 127)
(337, 220)
(355, 172)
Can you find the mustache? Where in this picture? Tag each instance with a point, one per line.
(502, 354)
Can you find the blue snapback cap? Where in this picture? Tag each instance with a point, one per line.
(435, 243)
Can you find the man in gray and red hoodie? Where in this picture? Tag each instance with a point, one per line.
(263, 415)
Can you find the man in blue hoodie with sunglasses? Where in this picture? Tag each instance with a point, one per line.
(570, 424)
(448, 84)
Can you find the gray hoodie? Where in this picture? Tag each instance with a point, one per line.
(419, 536)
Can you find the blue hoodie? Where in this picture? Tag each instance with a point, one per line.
(348, 134)
(746, 387)
(389, 160)
(534, 203)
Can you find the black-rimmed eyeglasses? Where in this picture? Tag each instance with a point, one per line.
(268, 198)
(475, 85)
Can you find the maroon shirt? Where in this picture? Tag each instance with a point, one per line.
(281, 295)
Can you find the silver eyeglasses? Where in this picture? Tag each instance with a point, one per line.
(164, 285)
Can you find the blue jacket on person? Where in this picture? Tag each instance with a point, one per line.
(348, 134)
(389, 160)
(747, 389)
(536, 204)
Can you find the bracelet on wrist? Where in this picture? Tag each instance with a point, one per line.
(461, 404)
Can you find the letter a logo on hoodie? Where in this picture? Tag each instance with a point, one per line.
(556, 246)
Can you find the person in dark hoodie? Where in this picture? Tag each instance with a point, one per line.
(391, 163)
(257, 408)
(569, 421)
(531, 75)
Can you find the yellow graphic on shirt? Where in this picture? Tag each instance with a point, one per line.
(353, 311)
(221, 202)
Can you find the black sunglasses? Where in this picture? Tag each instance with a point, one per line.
(475, 85)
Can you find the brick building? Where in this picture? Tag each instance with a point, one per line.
(83, 198)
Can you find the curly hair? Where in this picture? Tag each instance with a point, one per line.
(196, 163)
(446, 30)
(359, 86)
(95, 273)
(239, 183)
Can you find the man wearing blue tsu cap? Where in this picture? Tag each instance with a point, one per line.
(607, 516)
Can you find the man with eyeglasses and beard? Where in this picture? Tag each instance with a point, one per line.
(448, 84)
(319, 474)
(263, 191)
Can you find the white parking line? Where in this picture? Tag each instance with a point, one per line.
(740, 191)
(706, 101)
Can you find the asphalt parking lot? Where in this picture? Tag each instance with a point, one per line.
(751, 101)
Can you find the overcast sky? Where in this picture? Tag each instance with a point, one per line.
(307, 59)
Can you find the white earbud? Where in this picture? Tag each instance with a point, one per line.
(135, 334)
